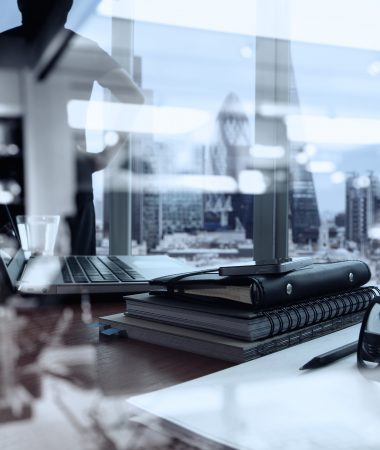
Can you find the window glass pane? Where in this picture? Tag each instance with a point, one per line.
(227, 99)
(201, 87)
(334, 133)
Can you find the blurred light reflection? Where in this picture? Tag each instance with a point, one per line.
(125, 180)
(252, 182)
(374, 69)
(246, 52)
(267, 151)
(338, 177)
(361, 182)
(135, 118)
(321, 166)
(111, 138)
(326, 130)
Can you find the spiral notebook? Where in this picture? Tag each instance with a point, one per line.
(241, 321)
(284, 327)
(214, 345)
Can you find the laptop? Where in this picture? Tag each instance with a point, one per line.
(78, 274)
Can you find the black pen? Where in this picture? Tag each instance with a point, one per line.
(331, 356)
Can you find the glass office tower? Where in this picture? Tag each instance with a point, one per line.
(305, 221)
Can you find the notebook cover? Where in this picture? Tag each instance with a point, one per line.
(216, 346)
(266, 291)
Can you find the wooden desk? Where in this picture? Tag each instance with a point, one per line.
(123, 368)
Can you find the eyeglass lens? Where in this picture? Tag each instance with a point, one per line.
(369, 340)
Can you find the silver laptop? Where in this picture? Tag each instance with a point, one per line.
(78, 274)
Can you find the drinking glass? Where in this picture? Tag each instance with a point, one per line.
(38, 233)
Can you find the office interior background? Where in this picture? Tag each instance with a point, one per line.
(242, 99)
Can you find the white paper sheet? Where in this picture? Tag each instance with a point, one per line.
(269, 404)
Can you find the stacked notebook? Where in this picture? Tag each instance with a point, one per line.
(205, 317)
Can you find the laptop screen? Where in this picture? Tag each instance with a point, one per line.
(11, 252)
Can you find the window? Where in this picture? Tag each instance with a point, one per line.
(262, 107)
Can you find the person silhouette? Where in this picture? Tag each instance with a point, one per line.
(42, 20)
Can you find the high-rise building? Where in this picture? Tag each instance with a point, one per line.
(159, 206)
(361, 206)
(146, 221)
(182, 207)
(305, 220)
(227, 156)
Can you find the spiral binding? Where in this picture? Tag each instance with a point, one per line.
(289, 317)
(306, 311)
(272, 326)
(328, 304)
(320, 303)
(360, 297)
(315, 318)
(280, 321)
(299, 318)
(372, 295)
(318, 311)
(351, 302)
(335, 301)
(314, 331)
(343, 304)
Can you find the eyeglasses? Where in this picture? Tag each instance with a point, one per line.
(368, 353)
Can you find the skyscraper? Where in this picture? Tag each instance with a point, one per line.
(182, 207)
(305, 220)
(146, 223)
(361, 206)
(227, 156)
(159, 206)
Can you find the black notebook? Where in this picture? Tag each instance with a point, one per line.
(214, 345)
(264, 291)
(242, 322)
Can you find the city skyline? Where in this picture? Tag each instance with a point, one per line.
(330, 195)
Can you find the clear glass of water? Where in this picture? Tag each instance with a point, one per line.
(38, 233)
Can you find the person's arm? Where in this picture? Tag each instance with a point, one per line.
(119, 82)
(122, 86)
(100, 161)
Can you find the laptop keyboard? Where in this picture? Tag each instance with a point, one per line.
(97, 269)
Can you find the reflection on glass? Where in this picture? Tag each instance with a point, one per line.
(328, 106)
(193, 156)
(205, 216)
